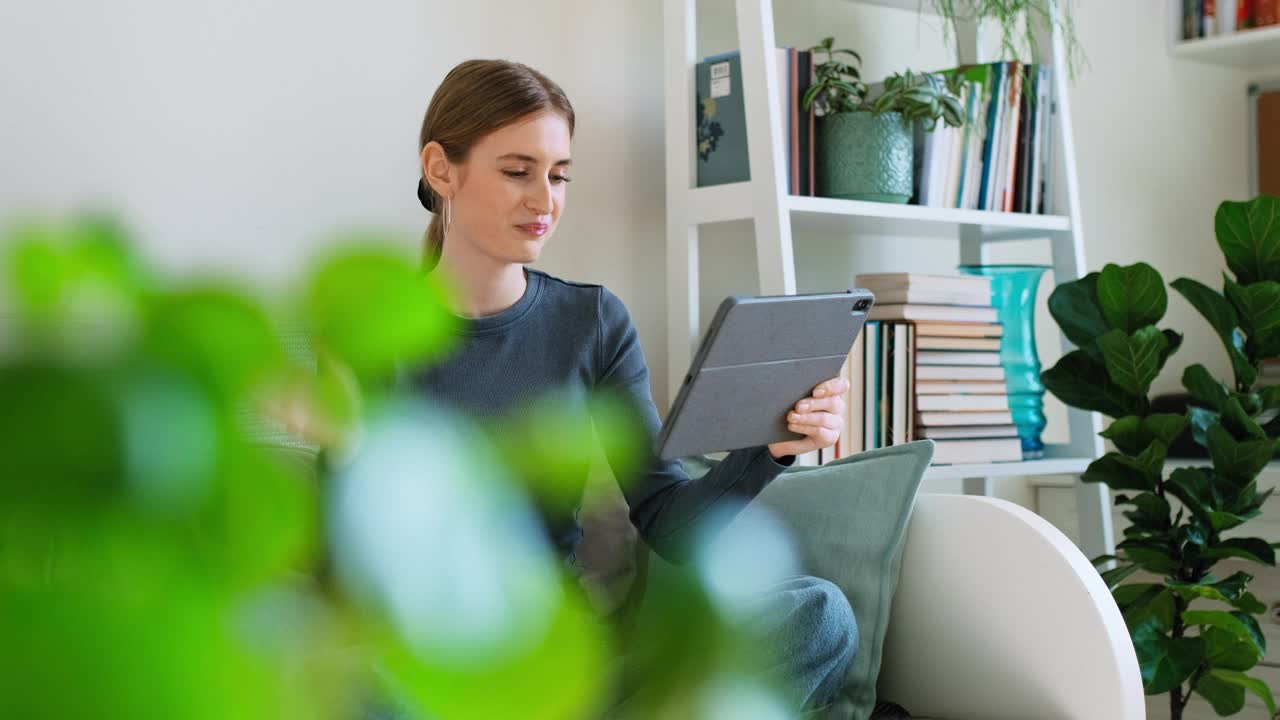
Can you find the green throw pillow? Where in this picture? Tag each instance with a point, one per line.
(849, 520)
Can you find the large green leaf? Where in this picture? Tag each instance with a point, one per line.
(1236, 420)
(1133, 361)
(1241, 625)
(1225, 698)
(1254, 685)
(1223, 649)
(1222, 317)
(1164, 662)
(1152, 511)
(1074, 305)
(1119, 472)
(1204, 387)
(1258, 307)
(1080, 381)
(1194, 488)
(1131, 297)
(1249, 235)
(1145, 600)
(1239, 461)
(1132, 434)
(1255, 549)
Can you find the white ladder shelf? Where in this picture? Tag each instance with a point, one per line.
(775, 214)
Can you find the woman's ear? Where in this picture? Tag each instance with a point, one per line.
(437, 170)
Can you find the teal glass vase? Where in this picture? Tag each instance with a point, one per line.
(1013, 293)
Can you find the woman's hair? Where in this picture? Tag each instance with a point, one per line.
(476, 98)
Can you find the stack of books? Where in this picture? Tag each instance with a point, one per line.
(927, 365)
(1000, 159)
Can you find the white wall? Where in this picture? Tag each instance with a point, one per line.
(239, 135)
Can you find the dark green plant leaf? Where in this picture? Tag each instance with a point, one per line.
(1118, 575)
(1141, 601)
(1133, 361)
(1235, 419)
(1174, 342)
(1131, 297)
(1240, 625)
(1258, 307)
(1238, 461)
(1125, 432)
(1197, 380)
(1165, 427)
(1152, 512)
(1220, 520)
(1270, 396)
(1074, 306)
(1222, 649)
(1153, 556)
(1119, 472)
(1164, 662)
(1249, 235)
(1225, 698)
(1222, 318)
(1080, 381)
(1255, 549)
(1253, 685)
(1193, 487)
(1192, 534)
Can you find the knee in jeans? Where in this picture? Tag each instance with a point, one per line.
(835, 616)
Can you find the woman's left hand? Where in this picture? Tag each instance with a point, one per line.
(819, 417)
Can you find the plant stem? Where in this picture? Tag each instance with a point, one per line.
(1176, 701)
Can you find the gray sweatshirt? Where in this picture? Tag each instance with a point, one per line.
(579, 338)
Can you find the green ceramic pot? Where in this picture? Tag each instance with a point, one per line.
(865, 157)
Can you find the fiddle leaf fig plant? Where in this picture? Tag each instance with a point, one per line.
(1184, 522)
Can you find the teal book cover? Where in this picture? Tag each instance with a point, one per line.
(721, 122)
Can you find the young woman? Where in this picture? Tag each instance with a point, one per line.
(495, 156)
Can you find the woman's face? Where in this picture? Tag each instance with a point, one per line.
(511, 189)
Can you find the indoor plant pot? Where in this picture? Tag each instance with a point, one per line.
(866, 156)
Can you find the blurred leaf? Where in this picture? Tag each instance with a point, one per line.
(1119, 472)
(560, 676)
(61, 437)
(375, 310)
(1133, 361)
(1164, 662)
(1082, 382)
(1152, 511)
(1131, 297)
(1201, 421)
(1193, 487)
(217, 334)
(1118, 575)
(1144, 600)
(1249, 235)
(1074, 305)
(1235, 419)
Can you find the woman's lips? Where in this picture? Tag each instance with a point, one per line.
(535, 229)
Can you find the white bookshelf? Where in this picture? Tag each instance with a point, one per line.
(1253, 48)
(776, 215)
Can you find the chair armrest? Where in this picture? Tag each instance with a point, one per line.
(998, 615)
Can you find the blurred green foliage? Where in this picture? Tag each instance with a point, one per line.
(161, 558)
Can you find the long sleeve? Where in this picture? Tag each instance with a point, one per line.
(665, 504)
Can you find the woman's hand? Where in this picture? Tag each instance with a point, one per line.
(819, 417)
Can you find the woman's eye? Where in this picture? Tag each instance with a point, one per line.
(515, 173)
(562, 178)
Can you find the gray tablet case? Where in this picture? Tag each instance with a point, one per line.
(760, 357)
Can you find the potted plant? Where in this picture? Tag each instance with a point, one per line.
(867, 145)
(1185, 522)
(1018, 21)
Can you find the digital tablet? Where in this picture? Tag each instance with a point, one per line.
(759, 357)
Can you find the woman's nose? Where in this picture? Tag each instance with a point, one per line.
(539, 200)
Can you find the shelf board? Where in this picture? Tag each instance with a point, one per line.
(719, 203)
(1055, 466)
(1244, 48)
(875, 218)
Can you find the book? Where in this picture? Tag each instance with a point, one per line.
(936, 313)
(925, 342)
(959, 372)
(956, 387)
(870, 385)
(955, 357)
(959, 452)
(929, 419)
(851, 439)
(967, 330)
(943, 283)
(962, 403)
(901, 398)
(720, 117)
(955, 432)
